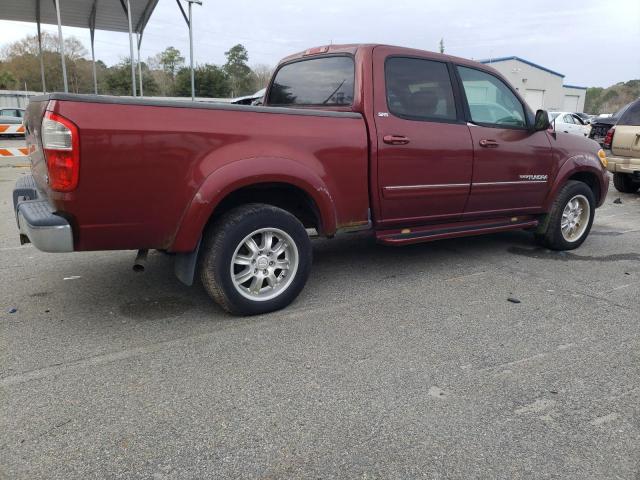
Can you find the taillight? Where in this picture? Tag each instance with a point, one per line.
(608, 139)
(60, 141)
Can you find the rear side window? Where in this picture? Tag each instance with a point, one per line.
(419, 89)
(491, 102)
(314, 82)
(631, 116)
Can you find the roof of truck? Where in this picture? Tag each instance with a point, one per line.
(352, 48)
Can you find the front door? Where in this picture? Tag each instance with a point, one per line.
(425, 156)
(512, 164)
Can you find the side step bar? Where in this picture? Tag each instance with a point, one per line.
(429, 233)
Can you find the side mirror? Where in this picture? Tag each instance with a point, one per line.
(542, 121)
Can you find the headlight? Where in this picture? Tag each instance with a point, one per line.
(603, 158)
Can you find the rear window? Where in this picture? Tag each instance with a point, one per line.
(631, 116)
(319, 81)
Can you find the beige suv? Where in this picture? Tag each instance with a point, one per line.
(624, 142)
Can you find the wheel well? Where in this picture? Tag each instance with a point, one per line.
(591, 180)
(282, 195)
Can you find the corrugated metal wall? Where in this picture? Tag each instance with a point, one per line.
(15, 98)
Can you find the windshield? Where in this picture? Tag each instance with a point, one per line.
(319, 81)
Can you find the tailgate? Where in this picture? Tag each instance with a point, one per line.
(33, 122)
(626, 141)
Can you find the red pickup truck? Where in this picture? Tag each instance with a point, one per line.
(411, 146)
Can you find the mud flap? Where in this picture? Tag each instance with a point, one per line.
(185, 265)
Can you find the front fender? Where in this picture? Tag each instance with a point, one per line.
(243, 173)
(579, 163)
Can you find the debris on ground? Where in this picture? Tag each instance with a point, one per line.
(12, 310)
(617, 200)
(72, 277)
(513, 300)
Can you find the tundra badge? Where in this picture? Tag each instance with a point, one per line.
(534, 177)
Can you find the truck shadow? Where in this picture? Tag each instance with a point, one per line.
(354, 261)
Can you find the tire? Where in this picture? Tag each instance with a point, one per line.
(274, 273)
(551, 233)
(624, 183)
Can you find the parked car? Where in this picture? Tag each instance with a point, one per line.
(250, 99)
(624, 141)
(601, 124)
(567, 122)
(368, 138)
(585, 117)
(11, 112)
(11, 122)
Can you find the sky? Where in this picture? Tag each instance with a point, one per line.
(592, 42)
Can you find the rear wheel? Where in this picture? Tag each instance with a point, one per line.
(569, 222)
(256, 259)
(625, 183)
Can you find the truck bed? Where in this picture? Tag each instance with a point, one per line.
(143, 163)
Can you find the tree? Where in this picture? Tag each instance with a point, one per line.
(171, 61)
(7, 80)
(117, 80)
(238, 71)
(442, 45)
(260, 76)
(22, 62)
(210, 81)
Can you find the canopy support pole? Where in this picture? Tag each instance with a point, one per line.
(133, 67)
(44, 86)
(61, 40)
(188, 19)
(139, 35)
(92, 31)
(193, 81)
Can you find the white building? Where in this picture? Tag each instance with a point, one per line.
(541, 87)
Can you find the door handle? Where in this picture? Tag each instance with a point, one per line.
(488, 143)
(395, 139)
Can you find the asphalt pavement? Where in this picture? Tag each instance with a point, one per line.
(393, 363)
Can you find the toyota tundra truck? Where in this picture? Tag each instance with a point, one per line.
(410, 146)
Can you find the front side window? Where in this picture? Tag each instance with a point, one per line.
(327, 81)
(419, 89)
(491, 102)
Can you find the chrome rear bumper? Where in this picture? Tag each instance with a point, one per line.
(37, 221)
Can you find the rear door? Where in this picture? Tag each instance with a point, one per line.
(512, 164)
(425, 155)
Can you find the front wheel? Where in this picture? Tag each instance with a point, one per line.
(255, 259)
(625, 183)
(569, 222)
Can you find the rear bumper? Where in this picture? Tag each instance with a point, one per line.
(623, 165)
(37, 220)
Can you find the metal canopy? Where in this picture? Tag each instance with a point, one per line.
(110, 14)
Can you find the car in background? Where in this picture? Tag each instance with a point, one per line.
(624, 141)
(11, 113)
(601, 124)
(567, 122)
(254, 99)
(11, 122)
(585, 117)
